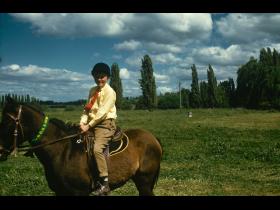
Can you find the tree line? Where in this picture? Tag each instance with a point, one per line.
(257, 86)
(258, 81)
(25, 98)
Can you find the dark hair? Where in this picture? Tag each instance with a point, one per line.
(100, 68)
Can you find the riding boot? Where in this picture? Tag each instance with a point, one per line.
(104, 188)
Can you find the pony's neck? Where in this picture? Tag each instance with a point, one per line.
(55, 129)
(32, 126)
(48, 152)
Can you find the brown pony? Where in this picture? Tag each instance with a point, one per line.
(65, 162)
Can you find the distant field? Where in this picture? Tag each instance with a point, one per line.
(216, 152)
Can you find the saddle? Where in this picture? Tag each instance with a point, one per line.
(118, 135)
(117, 144)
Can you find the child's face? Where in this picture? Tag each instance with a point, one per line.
(101, 80)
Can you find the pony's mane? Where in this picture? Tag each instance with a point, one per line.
(35, 107)
(69, 127)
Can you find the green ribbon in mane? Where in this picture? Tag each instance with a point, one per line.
(41, 131)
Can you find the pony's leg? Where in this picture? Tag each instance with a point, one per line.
(146, 176)
(144, 184)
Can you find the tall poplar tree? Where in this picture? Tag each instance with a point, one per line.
(148, 84)
(116, 84)
(204, 94)
(212, 87)
(195, 99)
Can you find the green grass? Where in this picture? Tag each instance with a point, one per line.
(216, 152)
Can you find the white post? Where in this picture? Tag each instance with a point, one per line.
(180, 94)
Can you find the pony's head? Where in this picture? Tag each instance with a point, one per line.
(7, 127)
(4, 152)
(14, 126)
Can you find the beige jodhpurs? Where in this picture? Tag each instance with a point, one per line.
(103, 133)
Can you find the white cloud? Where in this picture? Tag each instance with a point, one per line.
(238, 27)
(40, 74)
(156, 47)
(166, 58)
(157, 27)
(224, 72)
(186, 22)
(57, 84)
(131, 85)
(42, 82)
(128, 45)
(14, 67)
(160, 78)
(233, 55)
(164, 89)
(134, 60)
(124, 73)
(77, 24)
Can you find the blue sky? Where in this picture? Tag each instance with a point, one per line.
(50, 56)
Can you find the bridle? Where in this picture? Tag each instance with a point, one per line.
(15, 134)
(15, 148)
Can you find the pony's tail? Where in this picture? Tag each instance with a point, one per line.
(156, 177)
(159, 141)
(158, 170)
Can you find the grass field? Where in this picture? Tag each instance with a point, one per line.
(216, 152)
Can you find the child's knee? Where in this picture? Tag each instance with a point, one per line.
(97, 149)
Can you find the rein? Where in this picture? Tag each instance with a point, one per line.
(38, 136)
(47, 143)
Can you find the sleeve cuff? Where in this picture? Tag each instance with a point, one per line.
(91, 124)
(84, 119)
